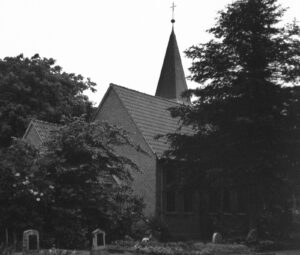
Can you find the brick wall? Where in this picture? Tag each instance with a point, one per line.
(144, 184)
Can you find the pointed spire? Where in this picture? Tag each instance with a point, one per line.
(172, 81)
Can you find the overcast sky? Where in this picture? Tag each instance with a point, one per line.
(110, 41)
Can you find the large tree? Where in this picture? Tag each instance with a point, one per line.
(17, 191)
(38, 88)
(76, 183)
(246, 109)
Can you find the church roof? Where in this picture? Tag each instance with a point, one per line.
(172, 81)
(42, 128)
(151, 116)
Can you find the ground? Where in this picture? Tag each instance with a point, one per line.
(292, 252)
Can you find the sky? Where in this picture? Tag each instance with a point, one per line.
(110, 41)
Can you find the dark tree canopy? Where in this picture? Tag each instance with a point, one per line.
(249, 43)
(37, 88)
(16, 196)
(246, 112)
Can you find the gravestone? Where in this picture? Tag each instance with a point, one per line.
(252, 236)
(98, 239)
(217, 238)
(98, 247)
(31, 241)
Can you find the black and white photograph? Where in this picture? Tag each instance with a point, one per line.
(150, 127)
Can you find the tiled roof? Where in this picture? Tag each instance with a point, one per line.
(43, 129)
(151, 116)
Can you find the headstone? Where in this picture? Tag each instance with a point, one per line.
(98, 239)
(217, 238)
(252, 236)
(53, 250)
(31, 241)
(145, 240)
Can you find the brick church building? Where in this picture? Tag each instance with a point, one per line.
(145, 116)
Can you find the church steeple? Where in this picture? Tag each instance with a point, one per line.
(172, 81)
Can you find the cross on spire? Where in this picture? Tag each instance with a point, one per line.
(173, 9)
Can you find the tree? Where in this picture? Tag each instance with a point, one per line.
(37, 88)
(90, 180)
(17, 193)
(77, 183)
(245, 117)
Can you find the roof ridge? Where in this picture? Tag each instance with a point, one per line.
(45, 122)
(158, 97)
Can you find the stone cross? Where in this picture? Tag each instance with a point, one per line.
(173, 9)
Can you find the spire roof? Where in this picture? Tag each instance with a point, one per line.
(172, 81)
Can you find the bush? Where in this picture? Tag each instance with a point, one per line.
(159, 229)
(147, 227)
(275, 224)
(190, 248)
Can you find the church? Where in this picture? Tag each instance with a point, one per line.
(144, 117)
(186, 215)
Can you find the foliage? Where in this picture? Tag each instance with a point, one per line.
(17, 192)
(246, 120)
(159, 229)
(152, 227)
(77, 183)
(173, 248)
(37, 88)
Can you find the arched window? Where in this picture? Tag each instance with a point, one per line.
(241, 201)
(188, 198)
(227, 208)
(170, 201)
(214, 200)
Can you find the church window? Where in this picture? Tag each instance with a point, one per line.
(170, 176)
(188, 201)
(241, 202)
(170, 201)
(226, 201)
(214, 200)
